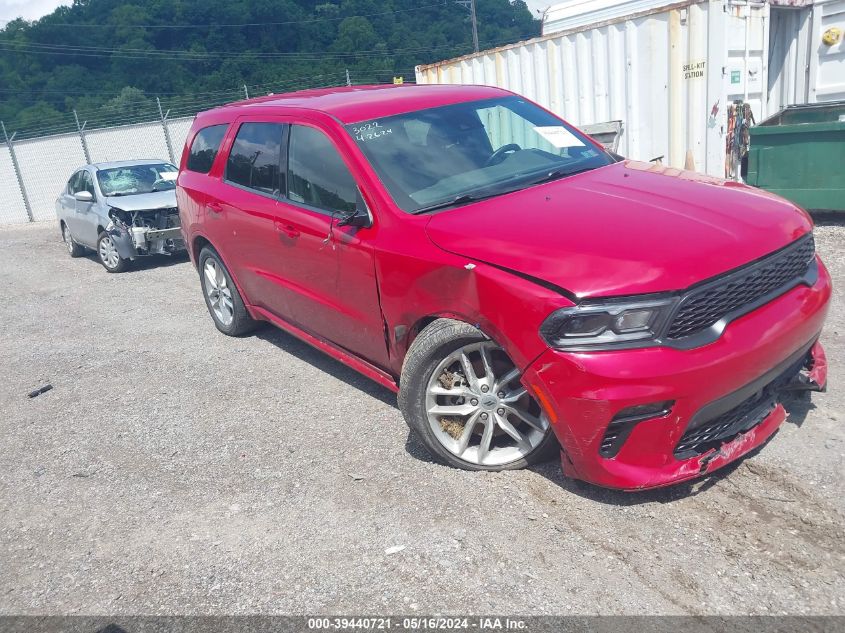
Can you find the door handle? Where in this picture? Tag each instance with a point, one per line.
(288, 229)
(215, 207)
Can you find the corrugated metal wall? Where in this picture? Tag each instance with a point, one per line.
(664, 74)
(788, 45)
(827, 63)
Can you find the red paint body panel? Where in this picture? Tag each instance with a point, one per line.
(354, 104)
(505, 264)
(619, 230)
(588, 389)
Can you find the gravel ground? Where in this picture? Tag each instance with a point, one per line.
(175, 470)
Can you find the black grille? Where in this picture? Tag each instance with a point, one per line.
(746, 415)
(706, 305)
(724, 428)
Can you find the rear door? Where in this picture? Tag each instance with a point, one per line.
(244, 204)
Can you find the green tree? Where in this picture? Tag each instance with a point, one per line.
(103, 58)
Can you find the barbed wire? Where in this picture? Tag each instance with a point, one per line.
(174, 107)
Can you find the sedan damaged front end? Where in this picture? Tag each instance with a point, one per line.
(141, 232)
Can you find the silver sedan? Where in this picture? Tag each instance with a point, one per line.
(122, 210)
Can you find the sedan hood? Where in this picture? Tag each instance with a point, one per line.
(628, 228)
(144, 201)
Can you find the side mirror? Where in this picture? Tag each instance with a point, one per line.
(84, 196)
(360, 217)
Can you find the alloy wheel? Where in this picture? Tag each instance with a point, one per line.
(478, 409)
(218, 292)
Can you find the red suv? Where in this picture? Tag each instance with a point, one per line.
(520, 287)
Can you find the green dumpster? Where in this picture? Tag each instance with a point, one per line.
(799, 154)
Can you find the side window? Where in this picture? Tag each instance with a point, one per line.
(254, 161)
(204, 148)
(73, 183)
(317, 174)
(86, 183)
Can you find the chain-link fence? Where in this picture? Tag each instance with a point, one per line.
(36, 161)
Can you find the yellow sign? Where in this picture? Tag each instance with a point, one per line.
(832, 36)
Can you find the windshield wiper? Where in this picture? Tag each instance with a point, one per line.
(464, 198)
(559, 173)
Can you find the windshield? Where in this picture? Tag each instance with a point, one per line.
(459, 153)
(133, 179)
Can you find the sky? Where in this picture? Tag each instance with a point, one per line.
(29, 9)
(32, 9)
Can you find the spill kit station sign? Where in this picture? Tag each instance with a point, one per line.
(694, 70)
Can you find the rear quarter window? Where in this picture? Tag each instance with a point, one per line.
(204, 148)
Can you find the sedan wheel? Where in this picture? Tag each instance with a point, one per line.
(73, 248)
(107, 252)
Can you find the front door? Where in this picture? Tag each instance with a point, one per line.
(329, 270)
(86, 213)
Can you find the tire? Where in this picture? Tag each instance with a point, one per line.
(471, 422)
(108, 255)
(221, 296)
(73, 248)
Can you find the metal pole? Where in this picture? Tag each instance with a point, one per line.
(81, 129)
(474, 25)
(348, 80)
(163, 116)
(470, 6)
(246, 92)
(17, 171)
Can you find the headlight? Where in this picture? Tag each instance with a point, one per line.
(607, 325)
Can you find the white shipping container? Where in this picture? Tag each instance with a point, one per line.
(667, 72)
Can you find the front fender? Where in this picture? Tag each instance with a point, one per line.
(122, 241)
(419, 281)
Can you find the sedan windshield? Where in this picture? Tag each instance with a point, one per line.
(133, 179)
(450, 155)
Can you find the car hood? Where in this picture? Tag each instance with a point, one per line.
(144, 201)
(628, 228)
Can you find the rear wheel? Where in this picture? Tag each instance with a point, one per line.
(221, 295)
(461, 393)
(73, 248)
(108, 255)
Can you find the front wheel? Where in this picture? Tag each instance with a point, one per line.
(461, 393)
(109, 257)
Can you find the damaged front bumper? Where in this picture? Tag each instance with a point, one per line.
(705, 407)
(142, 233)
